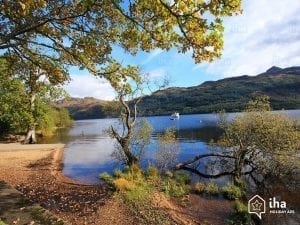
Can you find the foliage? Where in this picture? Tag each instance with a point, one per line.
(258, 143)
(168, 149)
(212, 189)
(14, 113)
(106, 178)
(52, 118)
(182, 177)
(241, 215)
(92, 27)
(141, 137)
(232, 191)
(2, 223)
(138, 138)
(199, 187)
(177, 185)
(266, 142)
(172, 188)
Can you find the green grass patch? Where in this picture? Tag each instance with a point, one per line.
(212, 189)
(231, 191)
(241, 215)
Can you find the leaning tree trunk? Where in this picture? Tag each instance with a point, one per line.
(31, 136)
(130, 157)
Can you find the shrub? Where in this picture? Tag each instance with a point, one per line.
(241, 215)
(231, 191)
(106, 178)
(152, 172)
(175, 189)
(212, 188)
(200, 187)
(117, 173)
(169, 174)
(182, 178)
(122, 184)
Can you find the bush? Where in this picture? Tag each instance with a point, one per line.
(241, 215)
(171, 188)
(212, 189)
(117, 173)
(232, 192)
(122, 184)
(106, 178)
(152, 172)
(200, 187)
(182, 178)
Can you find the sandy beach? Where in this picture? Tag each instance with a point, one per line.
(35, 170)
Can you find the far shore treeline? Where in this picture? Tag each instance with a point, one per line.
(231, 95)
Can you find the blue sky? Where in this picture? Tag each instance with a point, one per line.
(266, 34)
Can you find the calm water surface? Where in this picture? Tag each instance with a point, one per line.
(88, 147)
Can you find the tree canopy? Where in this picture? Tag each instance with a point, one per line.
(84, 32)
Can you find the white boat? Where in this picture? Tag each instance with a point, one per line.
(174, 116)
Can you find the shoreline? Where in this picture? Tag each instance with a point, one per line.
(36, 171)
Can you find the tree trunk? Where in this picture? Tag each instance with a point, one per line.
(31, 137)
(131, 158)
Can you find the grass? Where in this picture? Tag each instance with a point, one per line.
(232, 191)
(136, 189)
(241, 215)
(45, 218)
(212, 189)
(2, 223)
(199, 187)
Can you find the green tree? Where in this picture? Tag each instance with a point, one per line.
(258, 142)
(14, 114)
(39, 84)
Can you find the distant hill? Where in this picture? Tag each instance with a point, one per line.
(231, 94)
(85, 108)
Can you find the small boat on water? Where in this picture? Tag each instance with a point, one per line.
(174, 116)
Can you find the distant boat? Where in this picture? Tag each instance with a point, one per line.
(174, 116)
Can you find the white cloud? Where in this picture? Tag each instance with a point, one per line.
(160, 72)
(266, 34)
(89, 86)
(152, 55)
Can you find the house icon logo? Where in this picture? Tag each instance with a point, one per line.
(257, 205)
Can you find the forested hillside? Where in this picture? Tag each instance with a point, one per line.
(231, 94)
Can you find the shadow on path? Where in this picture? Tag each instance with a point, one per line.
(16, 209)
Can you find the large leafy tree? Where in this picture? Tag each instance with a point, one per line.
(40, 84)
(14, 114)
(83, 32)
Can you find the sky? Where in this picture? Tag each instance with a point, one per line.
(266, 34)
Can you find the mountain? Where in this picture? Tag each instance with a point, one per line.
(231, 94)
(84, 108)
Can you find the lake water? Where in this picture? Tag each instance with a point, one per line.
(88, 148)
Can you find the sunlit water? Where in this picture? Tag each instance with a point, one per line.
(88, 148)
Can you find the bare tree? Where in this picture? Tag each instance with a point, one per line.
(134, 135)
